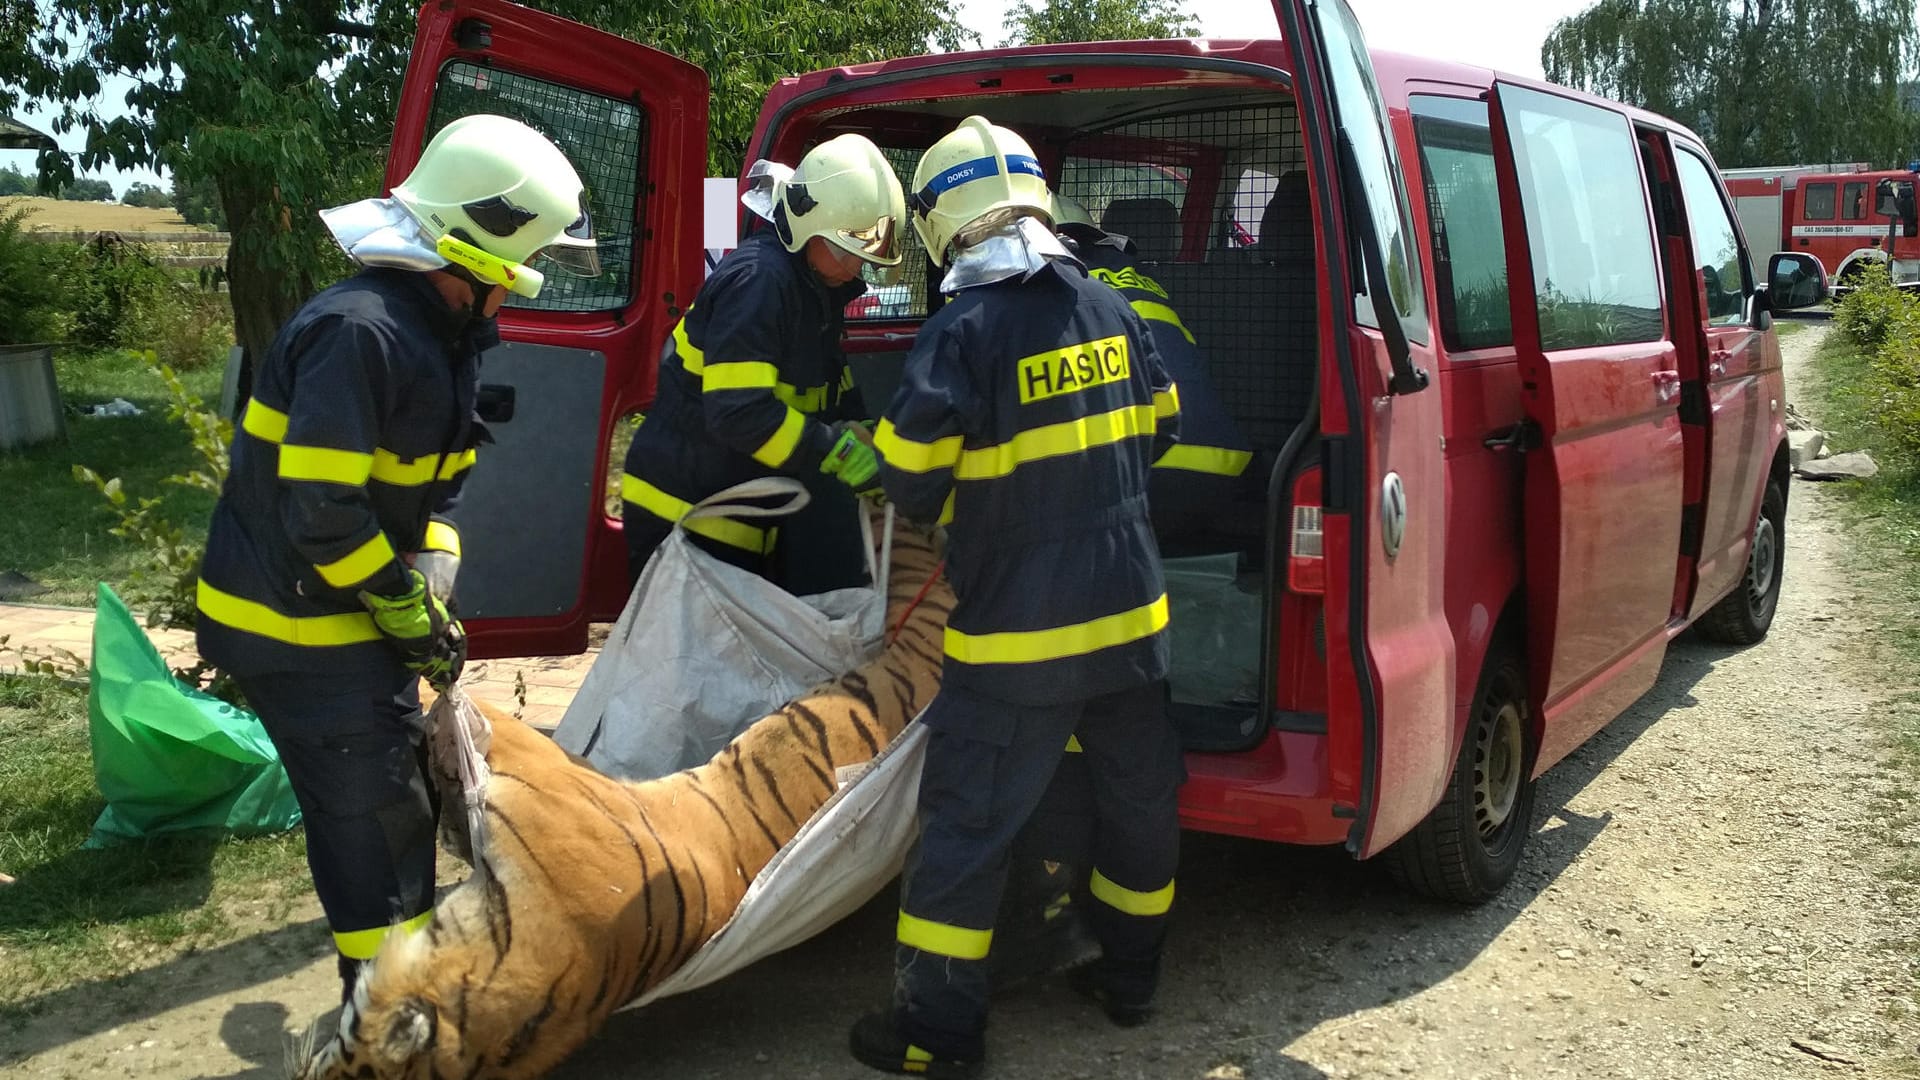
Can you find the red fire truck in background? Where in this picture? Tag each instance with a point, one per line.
(1847, 216)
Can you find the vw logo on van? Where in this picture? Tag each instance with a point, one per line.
(1393, 513)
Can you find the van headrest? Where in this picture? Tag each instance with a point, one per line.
(1286, 229)
(1152, 224)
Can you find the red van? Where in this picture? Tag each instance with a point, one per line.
(1500, 347)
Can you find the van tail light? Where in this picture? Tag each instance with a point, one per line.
(1306, 554)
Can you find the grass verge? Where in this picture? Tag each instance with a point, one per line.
(75, 916)
(56, 529)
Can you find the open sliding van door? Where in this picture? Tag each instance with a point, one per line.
(1390, 654)
(1601, 388)
(542, 557)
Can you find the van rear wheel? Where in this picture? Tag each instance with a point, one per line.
(1745, 615)
(1469, 846)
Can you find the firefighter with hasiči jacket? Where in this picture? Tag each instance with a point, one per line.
(753, 383)
(326, 589)
(1030, 409)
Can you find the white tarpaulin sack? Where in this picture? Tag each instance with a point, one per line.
(704, 648)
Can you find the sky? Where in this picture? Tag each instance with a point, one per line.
(1504, 34)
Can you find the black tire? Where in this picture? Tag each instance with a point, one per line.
(1745, 614)
(1468, 848)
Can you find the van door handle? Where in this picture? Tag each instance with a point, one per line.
(1666, 385)
(1717, 364)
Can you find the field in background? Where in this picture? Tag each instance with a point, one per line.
(56, 215)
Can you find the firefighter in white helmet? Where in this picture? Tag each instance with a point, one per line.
(753, 382)
(326, 589)
(1029, 411)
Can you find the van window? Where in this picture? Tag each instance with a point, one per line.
(1853, 201)
(1463, 211)
(1595, 278)
(1816, 202)
(1142, 200)
(1363, 116)
(605, 139)
(1716, 246)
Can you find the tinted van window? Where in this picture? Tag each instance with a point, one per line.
(1596, 281)
(1716, 246)
(1463, 212)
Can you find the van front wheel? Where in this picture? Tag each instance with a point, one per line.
(1746, 614)
(1468, 848)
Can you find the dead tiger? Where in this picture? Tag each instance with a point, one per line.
(594, 890)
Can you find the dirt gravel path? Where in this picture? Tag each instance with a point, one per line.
(1703, 891)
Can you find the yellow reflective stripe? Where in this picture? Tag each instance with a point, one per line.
(1157, 902)
(692, 360)
(810, 400)
(389, 469)
(349, 628)
(264, 422)
(1205, 459)
(365, 561)
(1073, 745)
(910, 456)
(934, 937)
(441, 536)
(453, 465)
(1078, 639)
(1162, 313)
(777, 450)
(740, 375)
(946, 511)
(325, 464)
(1053, 440)
(917, 1059)
(662, 505)
(1166, 402)
(363, 944)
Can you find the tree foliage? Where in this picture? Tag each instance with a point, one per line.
(141, 193)
(15, 182)
(1053, 22)
(1763, 81)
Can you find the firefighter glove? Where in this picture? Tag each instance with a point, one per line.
(852, 460)
(430, 641)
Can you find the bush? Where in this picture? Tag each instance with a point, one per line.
(1885, 321)
(34, 298)
(1870, 310)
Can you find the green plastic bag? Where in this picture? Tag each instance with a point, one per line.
(170, 759)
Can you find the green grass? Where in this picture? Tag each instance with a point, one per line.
(56, 529)
(76, 916)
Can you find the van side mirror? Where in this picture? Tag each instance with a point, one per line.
(1795, 280)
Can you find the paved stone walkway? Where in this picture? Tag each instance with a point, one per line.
(548, 683)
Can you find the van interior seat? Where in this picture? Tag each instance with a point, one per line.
(1255, 321)
(1152, 224)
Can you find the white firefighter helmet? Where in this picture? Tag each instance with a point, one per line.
(844, 192)
(976, 178)
(1067, 210)
(496, 197)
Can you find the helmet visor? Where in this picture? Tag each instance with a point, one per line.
(878, 244)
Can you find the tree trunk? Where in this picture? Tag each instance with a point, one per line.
(262, 286)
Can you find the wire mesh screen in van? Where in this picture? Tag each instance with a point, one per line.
(605, 139)
(1241, 269)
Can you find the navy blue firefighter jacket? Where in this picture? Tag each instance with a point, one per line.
(749, 380)
(351, 453)
(1025, 422)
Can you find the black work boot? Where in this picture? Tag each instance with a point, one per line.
(1124, 1009)
(876, 1043)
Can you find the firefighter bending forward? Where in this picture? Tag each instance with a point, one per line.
(326, 588)
(753, 382)
(1029, 411)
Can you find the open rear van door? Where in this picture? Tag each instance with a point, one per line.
(1390, 654)
(542, 557)
(1601, 386)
